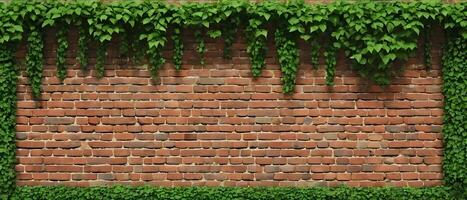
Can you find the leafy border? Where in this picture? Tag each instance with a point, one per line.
(372, 35)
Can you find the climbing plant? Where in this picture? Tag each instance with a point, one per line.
(61, 53)
(455, 126)
(8, 81)
(256, 34)
(371, 34)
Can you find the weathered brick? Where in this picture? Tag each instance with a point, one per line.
(216, 125)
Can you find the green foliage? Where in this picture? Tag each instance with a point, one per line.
(201, 49)
(8, 81)
(375, 34)
(34, 61)
(62, 47)
(314, 54)
(83, 49)
(455, 115)
(372, 34)
(287, 53)
(230, 12)
(330, 56)
(155, 20)
(227, 193)
(427, 47)
(256, 35)
(178, 48)
(100, 59)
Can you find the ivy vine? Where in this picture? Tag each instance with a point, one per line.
(100, 59)
(256, 35)
(178, 48)
(455, 105)
(34, 61)
(371, 34)
(8, 82)
(427, 47)
(330, 56)
(83, 49)
(62, 47)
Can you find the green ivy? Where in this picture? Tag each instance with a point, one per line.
(427, 47)
(287, 53)
(201, 49)
(83, 49)
(100, 59)
(62, 47)
(178, 48)
(455, 115)
(256, 35)
(8, 81)
(372, 34)
(34, 61)
(314, 54)
(228, 193)
(330, 56)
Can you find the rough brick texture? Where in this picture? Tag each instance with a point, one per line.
(216, 125)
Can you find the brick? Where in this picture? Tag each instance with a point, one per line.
(216, 125)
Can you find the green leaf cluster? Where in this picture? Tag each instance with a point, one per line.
(228, 193)
(8, 82)
(455, 112)
(372, 34)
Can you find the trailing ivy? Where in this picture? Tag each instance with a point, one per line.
(8, 81)
(230, 14)
(427, 47)
(372, 34)
(455, 115)
(287, 53)
(178, 48)
(330, 56)
(62, 47)
(83, 49)
(100, 59)
(256, 35)
(34, 61)
(201, 49)
(314, 54)
(227, 193)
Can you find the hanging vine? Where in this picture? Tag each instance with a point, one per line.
(8, 82)
(455, 126)
(256, 35)
(229, 31)
(100, 59)
(330, 56)
(178, 48)
(83, 48)
(201, 48)
(34, 61)
(62, 47)
(427, 47)
(229, 16)
(124, 47)
(287, 53)
(314, 54)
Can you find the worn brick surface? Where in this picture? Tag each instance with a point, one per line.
(216, 125)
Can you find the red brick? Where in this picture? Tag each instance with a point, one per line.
(216, 125)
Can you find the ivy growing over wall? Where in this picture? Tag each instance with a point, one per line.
(8, 81)
(455, 116)
(228, 193)
(371, 34)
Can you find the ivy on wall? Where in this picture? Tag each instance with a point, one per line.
(228, 193)
(371, 34)
(8, 81)
(455, 113)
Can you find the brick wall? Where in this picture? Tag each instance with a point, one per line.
(215, 125)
